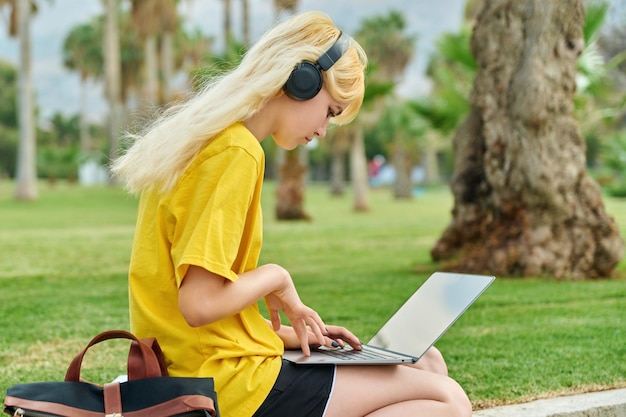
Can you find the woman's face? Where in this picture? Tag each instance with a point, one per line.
(303, 120)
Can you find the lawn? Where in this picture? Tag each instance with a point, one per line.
(63, 280)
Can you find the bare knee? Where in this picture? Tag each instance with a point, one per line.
(392, 391)
(433, 361)
(458, 401)
(452, 396)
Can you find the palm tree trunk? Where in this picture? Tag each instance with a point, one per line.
(113, 69)
(337, 173)
(402, 163)
(245, 12)
(167, 67)
(290, 190)
(151, 67)
(358, 169)
(227, 23)
(339, 145)
(430, 159)
(85, 139)
(524, 203)
(26, 175)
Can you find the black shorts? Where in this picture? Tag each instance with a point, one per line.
(300, 390)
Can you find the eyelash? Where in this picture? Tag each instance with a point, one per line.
(330, 113)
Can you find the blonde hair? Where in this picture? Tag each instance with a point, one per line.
(157, 158)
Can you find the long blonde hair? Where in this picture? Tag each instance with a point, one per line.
(158, 157)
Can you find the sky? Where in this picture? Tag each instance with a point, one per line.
(57, 89)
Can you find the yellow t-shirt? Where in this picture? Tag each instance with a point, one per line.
(212, 218)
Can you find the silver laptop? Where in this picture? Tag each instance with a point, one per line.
(413, 329)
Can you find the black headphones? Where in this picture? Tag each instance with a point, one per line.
(305, 80)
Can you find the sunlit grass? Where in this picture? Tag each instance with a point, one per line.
(63, 279)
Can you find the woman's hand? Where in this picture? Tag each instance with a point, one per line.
(339, 335)
(307, 324)
(336, 338)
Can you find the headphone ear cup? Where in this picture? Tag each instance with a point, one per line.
(304, 82)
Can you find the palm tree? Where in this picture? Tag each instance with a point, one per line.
(82, 52)
(524, 204)
(10, 4)
(113, 75)
(390, 49)
(132, 60)
(245, 18)
(193, 48)
(9, 129)
(153, 18)
(358, 165)
(339, 145)
(451, 70)
(169, 24)
(355, 135)
(600, 100)
(407, 129)
(147, 25)
(26, 175)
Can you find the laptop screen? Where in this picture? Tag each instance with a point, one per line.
(430, 311)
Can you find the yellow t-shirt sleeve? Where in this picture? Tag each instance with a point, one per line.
(208, 212)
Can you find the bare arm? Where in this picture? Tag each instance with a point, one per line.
(205, 297)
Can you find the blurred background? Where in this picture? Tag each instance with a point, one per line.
(421, 66)
(58, 89)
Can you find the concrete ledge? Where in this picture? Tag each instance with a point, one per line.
(596, 404)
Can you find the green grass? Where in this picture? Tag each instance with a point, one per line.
(63, 280)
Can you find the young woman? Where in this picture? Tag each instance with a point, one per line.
(194, 277)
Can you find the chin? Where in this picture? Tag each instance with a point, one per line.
(289, 147)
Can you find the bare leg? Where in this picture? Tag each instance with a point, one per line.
(432, 361)
(395, 391)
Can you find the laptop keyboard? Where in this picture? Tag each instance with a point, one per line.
(350, 354)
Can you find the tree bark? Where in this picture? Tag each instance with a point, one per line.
(337, 174)
(402, 187)
(151, 68)
(227, 24)
(86, 146)
(167, 67)
(245, 21)
(113, 77)
(26, 175)
(339, 144)
(358, 168)
(524, 204)
(290, 189)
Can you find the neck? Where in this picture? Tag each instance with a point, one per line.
(261, 124)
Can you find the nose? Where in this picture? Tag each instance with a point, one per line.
(321, 131)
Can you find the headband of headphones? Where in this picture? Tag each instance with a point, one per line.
(305, 80)
(335, 52)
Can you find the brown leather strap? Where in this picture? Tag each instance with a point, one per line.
(13, 403)
(145, 358)
(136, 369)
(112, 400)
(175, 406)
